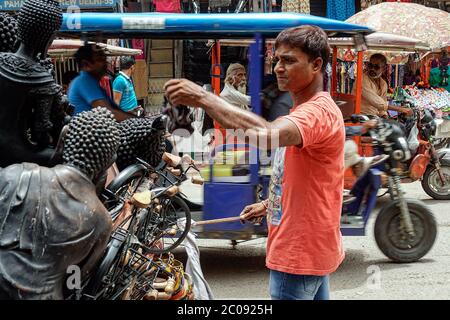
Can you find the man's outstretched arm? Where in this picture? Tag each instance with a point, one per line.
(185, 92)
(119, 115)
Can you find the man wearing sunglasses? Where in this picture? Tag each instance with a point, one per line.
(374, 88)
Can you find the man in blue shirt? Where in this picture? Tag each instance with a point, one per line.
(85, 92)
(124, 94)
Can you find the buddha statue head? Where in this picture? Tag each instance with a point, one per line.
(91, 141)
(8, 33)
(38, 20)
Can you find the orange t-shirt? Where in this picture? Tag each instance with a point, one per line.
(305, 197)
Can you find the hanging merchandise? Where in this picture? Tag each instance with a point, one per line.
(439, 77)
(298, 6)
(168, 6)
(219, 3)
(346, 76)
(340, 9)
(269, 59)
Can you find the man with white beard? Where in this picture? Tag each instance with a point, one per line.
(234, 91)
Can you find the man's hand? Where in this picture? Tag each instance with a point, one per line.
(139, 110)
(254, 212)
(184, 92)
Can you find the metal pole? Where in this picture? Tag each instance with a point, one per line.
(196, 6)
(257, 51)
(240, 6)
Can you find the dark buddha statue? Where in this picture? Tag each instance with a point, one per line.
(142, 138)
(32, 107)
(51, 218)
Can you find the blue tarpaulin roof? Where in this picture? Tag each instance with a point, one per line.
(196, 26)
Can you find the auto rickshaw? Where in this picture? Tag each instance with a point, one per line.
(224, 197)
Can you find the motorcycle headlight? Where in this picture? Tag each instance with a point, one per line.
(401, 150)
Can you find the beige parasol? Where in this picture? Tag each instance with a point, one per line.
(408, 19)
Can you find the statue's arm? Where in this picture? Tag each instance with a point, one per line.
(103, 228)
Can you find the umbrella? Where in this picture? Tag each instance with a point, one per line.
(407, 19)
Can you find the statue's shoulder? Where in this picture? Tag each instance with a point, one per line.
(19, 69)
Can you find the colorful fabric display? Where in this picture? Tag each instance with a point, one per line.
(437, 100)
(340, 9)
(169, 6)
(298, 6)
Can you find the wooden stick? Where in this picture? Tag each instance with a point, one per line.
(215, 221)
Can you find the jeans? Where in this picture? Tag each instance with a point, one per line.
(286, 286)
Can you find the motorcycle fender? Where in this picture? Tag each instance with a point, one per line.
(418, 166)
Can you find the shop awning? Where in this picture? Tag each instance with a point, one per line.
(67, 48)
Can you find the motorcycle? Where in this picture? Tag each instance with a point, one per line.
(405, 229)
(431, 160)
(429, 164)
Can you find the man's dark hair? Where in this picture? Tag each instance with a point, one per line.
(127, 62)
(311, 40)
(86, 53)
(379, 56)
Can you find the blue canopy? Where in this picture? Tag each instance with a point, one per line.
(196, 26)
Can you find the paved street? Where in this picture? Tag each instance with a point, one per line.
(240, 273)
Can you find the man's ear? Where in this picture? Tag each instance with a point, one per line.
(317, 64)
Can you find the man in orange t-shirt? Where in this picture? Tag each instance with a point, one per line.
(304, 207)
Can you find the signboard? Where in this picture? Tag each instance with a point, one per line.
(139, 44)
(14, 5)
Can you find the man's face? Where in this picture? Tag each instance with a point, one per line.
(294, 70)
(98, 65)
(239, 79)
(375, 68)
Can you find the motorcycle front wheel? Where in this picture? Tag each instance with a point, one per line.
(432, 184)
(394, 242)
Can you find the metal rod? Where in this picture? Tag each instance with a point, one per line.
(240, 6)
(215, 221)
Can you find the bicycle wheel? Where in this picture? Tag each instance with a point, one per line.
(164, 231)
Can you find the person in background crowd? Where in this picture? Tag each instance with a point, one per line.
(85, 92)
(234, 91)
(439, 76)
(305, 199)
(374, 88)
(409, 77)
(124, 93)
